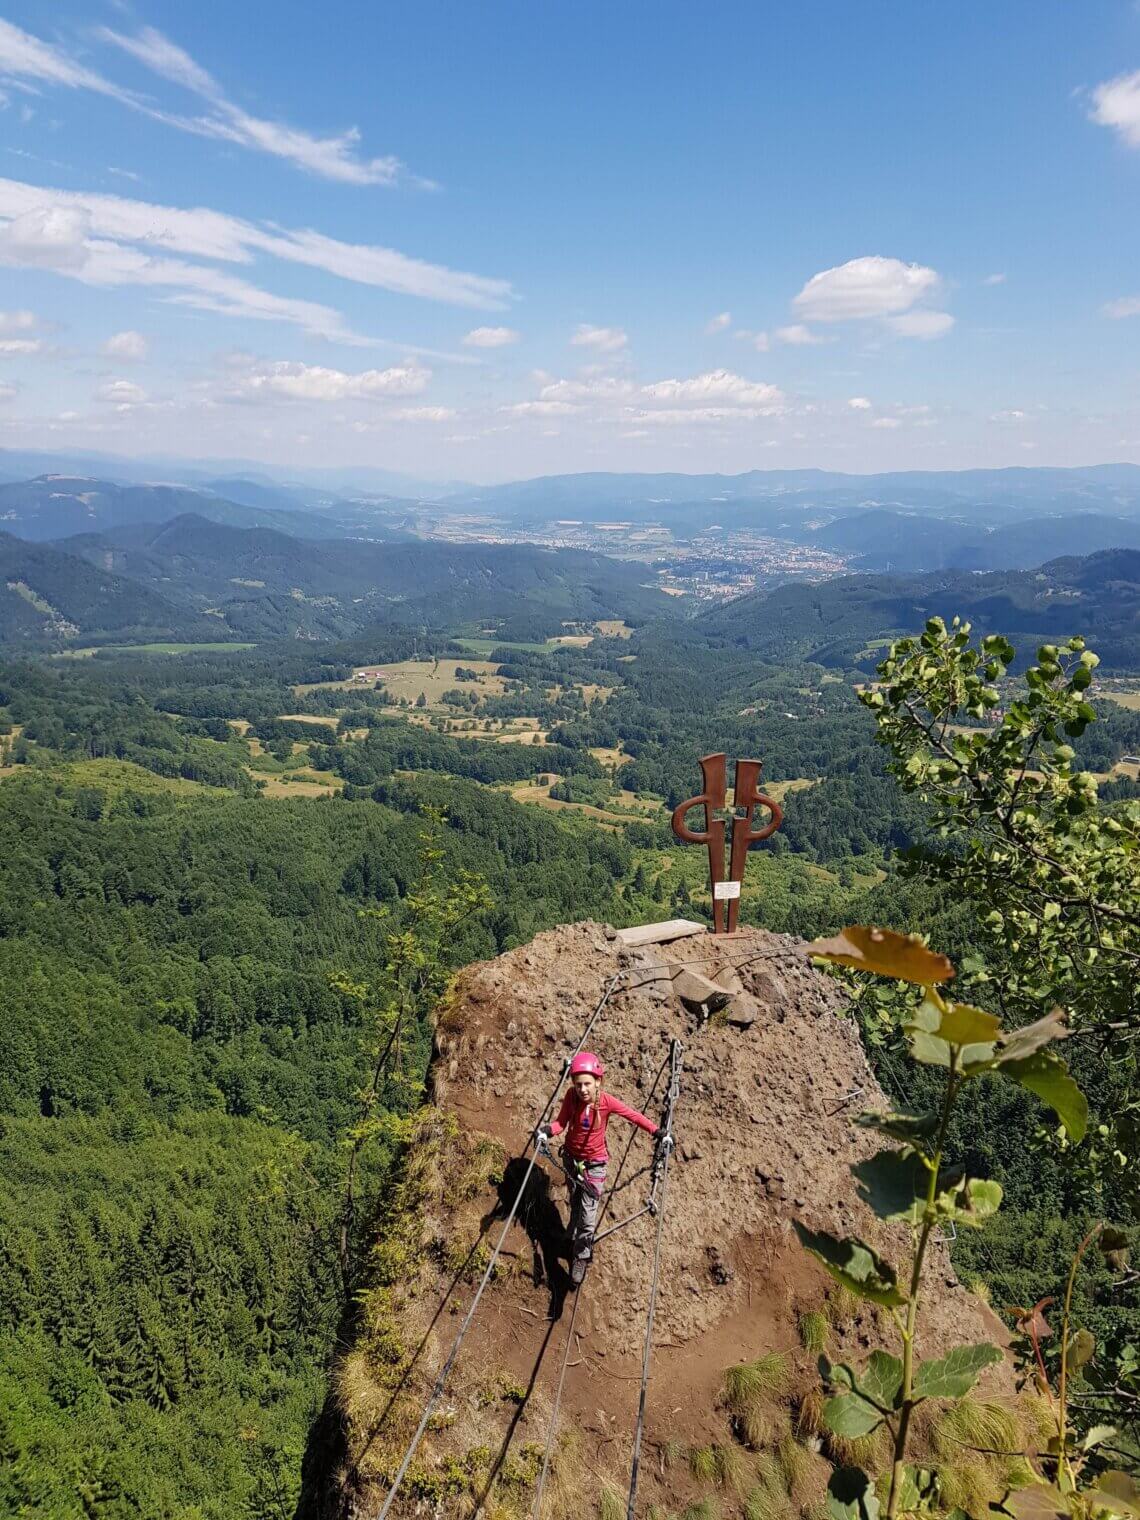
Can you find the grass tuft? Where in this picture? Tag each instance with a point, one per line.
(764, 1503)
(795, 1463)
(809, 1413)
(702, 1464)
(814, 1327)
(730, 1469)
(747, 1382)
(977, 1424)
(611, 1505)
(672, 1452)
(704, 1509)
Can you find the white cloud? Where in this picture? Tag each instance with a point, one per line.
(1011, 414)
(718, 385)
(89, 237)
(290, 380)
(425, 414)
(921, 324)
(797, 335)
(201, 233)
(886, 422)
(599, 388)
(867, 287)
(607, 340)
(859, 403)
(23, 56)
(1116, 104)
(18, 321)
(11, 348)
(718, 323)
(994, 279)
(541, 409)
(127, 345)
(668, 416)
(123, 392)
(9, 392)
(1126, 306)
(491, 337)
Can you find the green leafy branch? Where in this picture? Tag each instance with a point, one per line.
(908, 1182)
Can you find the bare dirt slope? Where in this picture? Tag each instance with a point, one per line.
(764, 1136)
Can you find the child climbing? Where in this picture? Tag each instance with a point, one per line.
(583, 1116)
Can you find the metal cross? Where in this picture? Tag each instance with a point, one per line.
(746, 797)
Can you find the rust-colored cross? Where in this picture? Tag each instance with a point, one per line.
(746, 798)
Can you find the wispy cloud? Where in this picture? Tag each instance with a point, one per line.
(859, 403)
(491, 337)
(334, 158)
(798, 335)
(718, 323)
(127, 345)
(290, 381)
(605, 340)
(994, 279)
(25, 57)
(1126, 306)
(110, 240)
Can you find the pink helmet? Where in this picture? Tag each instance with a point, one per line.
(586, 1063)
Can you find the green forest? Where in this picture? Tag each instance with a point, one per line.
(184, 934)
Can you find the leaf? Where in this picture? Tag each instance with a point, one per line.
(1097, 1435)
(901, 956)
(1122, 1489)
(851, 1416)
(918, 1489)
(851, 1495)
(1082, 1348)
(963, 1024)
(893, 1183)
(952, 1376)
(855, 1265)
(974, 1203)
(1040, 1501)
(927, 1044)
(1045, 1074)
(881, 1379)
(1032, 1322)
(907, 1127)
(1033, 1037)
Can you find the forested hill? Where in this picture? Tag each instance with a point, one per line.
(49, 597)
(836, 623)
(192, 578)
(54, 506)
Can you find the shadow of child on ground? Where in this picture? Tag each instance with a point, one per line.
(540, 1217)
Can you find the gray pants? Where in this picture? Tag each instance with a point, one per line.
(585, 1206)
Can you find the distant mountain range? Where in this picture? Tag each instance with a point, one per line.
(838, 621)
(194, 578)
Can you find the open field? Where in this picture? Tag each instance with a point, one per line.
(614, 628)
(301, 783)
(485, 646)
(325, 720)
(81, 654)
(1129, 699)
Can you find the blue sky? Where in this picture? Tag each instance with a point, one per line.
(485, 241)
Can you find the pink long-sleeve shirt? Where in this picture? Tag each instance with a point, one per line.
(585, 1124)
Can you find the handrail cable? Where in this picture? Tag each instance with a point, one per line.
(445, 1370)
(674, 1093)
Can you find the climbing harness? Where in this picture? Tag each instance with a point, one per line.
(437, 1389)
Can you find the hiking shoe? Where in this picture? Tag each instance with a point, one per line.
(578, 1269)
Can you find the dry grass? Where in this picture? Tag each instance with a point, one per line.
(702, 1464)
(814, 1327)
(809, 1413)
(611, 1504)
(795, 1463)
(745, 1383)
(981, 1425)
